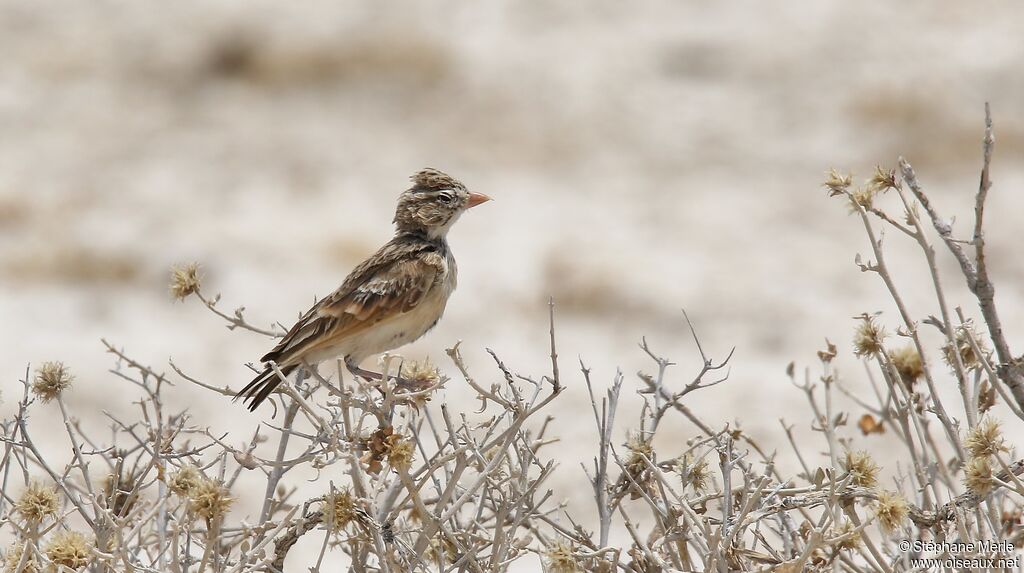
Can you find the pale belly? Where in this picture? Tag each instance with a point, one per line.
(388, 334)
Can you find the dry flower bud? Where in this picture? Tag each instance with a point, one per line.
(69, 549)
(13, 560)
(185, 280)
(339, 509)
(891, 510)
(986, 439)
(837, 183)
(420, 378)
(867, 340)
(908, 363)
(850, 538)
(209, 499)
(401, 451)
(964, 335)
(52, 378)
(185, 480)
(978, 475)
(883, 179)
(560, 559)
(693, 474)
(421, 373)
(862, 198)
(639, 447)
(37, 503)
(863, 469)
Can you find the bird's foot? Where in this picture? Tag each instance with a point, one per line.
(401, 382)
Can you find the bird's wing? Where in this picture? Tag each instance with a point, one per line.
(390, 283)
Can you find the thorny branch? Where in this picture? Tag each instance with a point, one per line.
(1010, 368)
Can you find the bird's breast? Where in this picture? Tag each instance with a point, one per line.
(406, 327)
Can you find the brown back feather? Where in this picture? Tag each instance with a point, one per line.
(391, 282)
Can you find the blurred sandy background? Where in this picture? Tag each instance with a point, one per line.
(644, 158)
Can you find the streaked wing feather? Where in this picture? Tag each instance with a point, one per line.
(390, 283)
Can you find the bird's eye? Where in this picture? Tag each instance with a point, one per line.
(445, 198)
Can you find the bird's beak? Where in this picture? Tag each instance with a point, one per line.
(476, 199)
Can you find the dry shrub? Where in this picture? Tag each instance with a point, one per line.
(424, 488)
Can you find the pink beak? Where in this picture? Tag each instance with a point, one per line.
(476, 199)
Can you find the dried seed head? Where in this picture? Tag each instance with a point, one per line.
(867, 340)
(837, 183)
(51, 379)
(185, 480)
(986, 439)
(863, 469)
(986, 397)
(339, 509)
(439, 547)
(421, 378)
(119, 492)
(850, 537)
(908, 363)
(891, 510)
(560, 559)
(209, 499)
(638, 446)
(968, 357)
(421, 372)
(694, 474)
(883, 179)
(185, 280)
(13, 559)
(401, 451)
(978, 475)
(862, 198)
(69, 549)
(37, 503)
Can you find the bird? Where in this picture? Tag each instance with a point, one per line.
(391, 299)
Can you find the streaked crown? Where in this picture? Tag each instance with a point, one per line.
(433, 180)
(433, 203)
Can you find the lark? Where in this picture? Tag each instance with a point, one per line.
(389, 300)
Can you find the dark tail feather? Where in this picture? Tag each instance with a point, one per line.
(261, 386)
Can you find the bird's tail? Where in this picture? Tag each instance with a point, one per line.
(261, 386)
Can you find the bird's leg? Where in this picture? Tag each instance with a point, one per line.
(370, 375)
(313, 371)
(357, 371)
(367, 374)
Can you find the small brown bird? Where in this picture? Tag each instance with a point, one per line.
(391, 299)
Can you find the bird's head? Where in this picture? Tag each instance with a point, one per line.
(433, 203)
